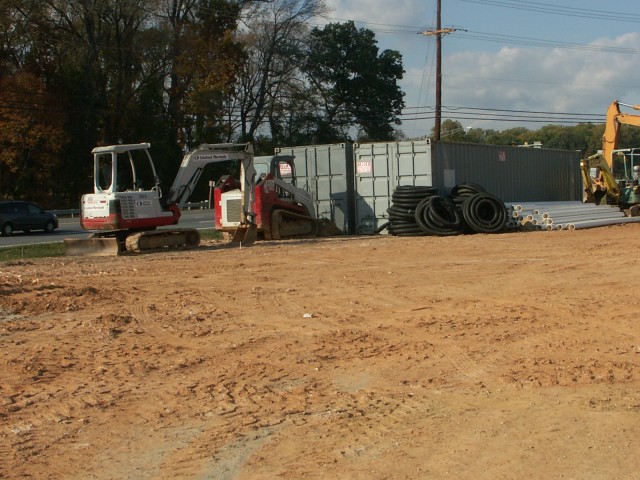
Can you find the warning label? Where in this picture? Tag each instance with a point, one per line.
(363, 167)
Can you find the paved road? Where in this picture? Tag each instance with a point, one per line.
(70, 228)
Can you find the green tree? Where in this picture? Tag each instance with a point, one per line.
(271, 90)
(126, 71)
(85, 54)
(451, 131)
(33, 113)
(355, 85)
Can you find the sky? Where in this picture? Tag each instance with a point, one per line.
(509, 63)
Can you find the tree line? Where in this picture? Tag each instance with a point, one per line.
(583, 137)
(75, 74)
(177, 73)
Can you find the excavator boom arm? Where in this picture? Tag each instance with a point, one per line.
(611, 136)
(193, 164)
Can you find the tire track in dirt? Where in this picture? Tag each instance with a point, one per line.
(227, 410)
(203, 365)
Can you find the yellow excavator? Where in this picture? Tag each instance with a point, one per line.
(617, 171)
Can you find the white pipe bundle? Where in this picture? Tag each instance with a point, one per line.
(566, 215)
(601, 222)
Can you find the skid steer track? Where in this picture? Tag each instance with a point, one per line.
(286, 224)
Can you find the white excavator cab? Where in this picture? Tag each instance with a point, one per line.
(126, 191)
(123, 168)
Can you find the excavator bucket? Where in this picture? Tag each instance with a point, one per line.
(95, 247)
(326, 228)
(246, 234)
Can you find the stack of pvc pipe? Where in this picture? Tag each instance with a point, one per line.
(566, 215)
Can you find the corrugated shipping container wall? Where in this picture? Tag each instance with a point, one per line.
(379, 169)
(511, 173)
(326, 172)
(353, 184)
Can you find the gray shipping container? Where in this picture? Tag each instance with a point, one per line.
(326, 171)
(352, 184)
(380, 168)
(520, 174)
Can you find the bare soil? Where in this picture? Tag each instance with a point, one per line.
(483, 357)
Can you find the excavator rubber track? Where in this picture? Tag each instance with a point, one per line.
(158, 240)
(111, 244)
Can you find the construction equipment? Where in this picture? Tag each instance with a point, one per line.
(600, 187)
(611, 176)
(127, 205)
(277, 207)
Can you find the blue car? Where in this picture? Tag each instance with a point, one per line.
(25, 216)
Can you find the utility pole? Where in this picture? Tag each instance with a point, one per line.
(436, 132)
(438, 33)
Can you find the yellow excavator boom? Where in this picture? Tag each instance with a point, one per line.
(611, 135)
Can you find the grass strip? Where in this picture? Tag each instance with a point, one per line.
(36, 250)
(57, 249)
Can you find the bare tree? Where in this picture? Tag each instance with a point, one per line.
(204, 58)
(274, 39)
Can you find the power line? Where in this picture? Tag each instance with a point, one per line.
(506, 119)
(540, 42)
(405, 28)
(476, 78)
(416, 113)
(497, 119)
(521, 120)
(540, 112)
(561, 10)
(501, 115)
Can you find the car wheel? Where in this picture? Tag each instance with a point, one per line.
(49, 227)
(7, 230)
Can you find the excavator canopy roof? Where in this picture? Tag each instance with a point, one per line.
(121, 148)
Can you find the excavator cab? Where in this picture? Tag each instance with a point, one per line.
(616, 171)
(626, 164)
(119, 170)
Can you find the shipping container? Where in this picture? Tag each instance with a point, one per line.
(352, 184)
(380, 168)
(326, 172)
(522, 174)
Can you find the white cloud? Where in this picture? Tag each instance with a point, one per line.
(536, 79)
(407, 12)
(514, 77)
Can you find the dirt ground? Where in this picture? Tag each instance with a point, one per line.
(483, 356)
